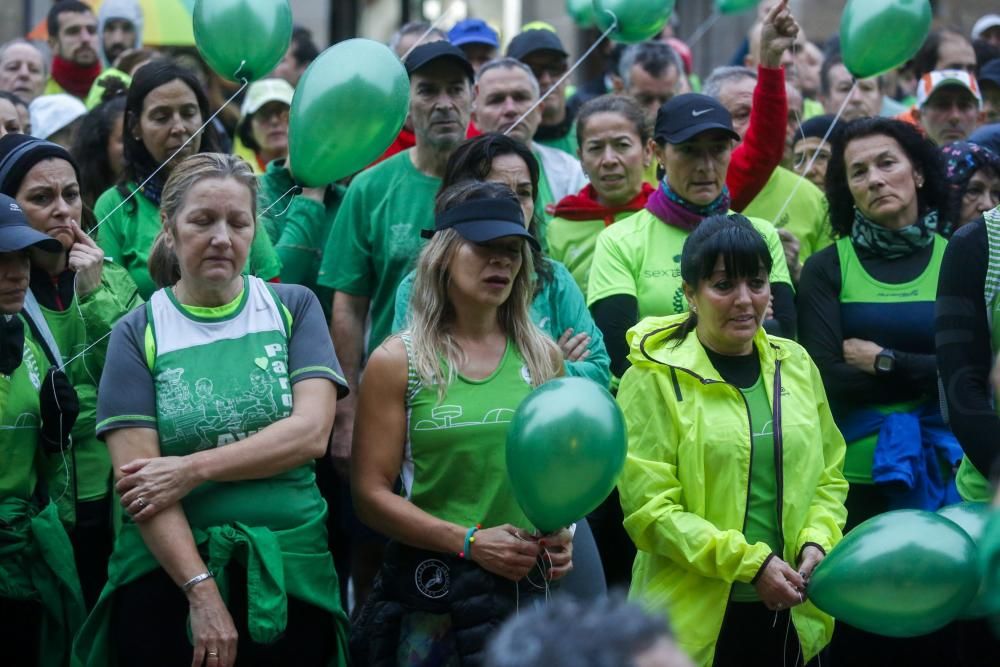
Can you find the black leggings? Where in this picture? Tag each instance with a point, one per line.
(149, 627)
(20, 637)
(92, 540)
(752, 634)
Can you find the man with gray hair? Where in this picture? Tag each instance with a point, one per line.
(505, 89)
(23, 69)
(651, 73)
(412, 34)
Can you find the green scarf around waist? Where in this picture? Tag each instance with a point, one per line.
(294, 562)
(36, 563)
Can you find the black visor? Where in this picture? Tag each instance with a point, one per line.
(482, 220)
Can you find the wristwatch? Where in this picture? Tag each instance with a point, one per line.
(885, 362)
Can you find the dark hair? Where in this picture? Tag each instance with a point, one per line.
(244, 130)
(90, 149)
(64, 7)
(304, 49)
(149, 77)
(463, 191)
(985, 52)
(732, 237)
(919, 151)
(132, 57)
(473, 160)
(927, 57)
(613, 104)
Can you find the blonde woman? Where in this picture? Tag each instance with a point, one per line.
(434, 409)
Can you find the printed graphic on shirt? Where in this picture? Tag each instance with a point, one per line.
(445, 416)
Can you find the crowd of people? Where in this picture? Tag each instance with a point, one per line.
(265, 424)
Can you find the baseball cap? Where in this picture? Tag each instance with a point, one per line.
(266, 90)
(531, 41)
(482, 220)
(15, 232)
(473, 31)
(985, 23)
(934, 81)
(990, 72)
(51, 113)
(684, 116)
(431, 51)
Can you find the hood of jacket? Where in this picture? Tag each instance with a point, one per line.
(118, 9)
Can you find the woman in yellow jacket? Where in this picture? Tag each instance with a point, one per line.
(733, 488)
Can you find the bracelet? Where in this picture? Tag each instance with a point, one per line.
(470, 538)
(196, 579)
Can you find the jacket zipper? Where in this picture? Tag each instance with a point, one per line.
(779, 469)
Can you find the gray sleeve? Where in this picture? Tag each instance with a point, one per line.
(126, 397)
(310, 349)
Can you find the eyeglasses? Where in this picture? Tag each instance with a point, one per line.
(266, 114)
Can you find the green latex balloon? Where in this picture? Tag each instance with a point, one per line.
(734, 6)
(638, 20)
(349, 106)
(899, 574)
(971, 517)
(989, 563)
(581, 11)
(242, 38)
(565, 449)
(879, 35)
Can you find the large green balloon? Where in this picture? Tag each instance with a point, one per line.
(734, 6)
(348, 107)
(878, 35)
(989, 563)
(581, 11)
(899, 574)
(971, 517)
(638, 20)
(565, 448)
(242, 38)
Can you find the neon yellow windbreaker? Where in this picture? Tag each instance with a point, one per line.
(685, 484)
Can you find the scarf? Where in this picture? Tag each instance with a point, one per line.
(893, 243)
(669, 207)
(152, 190)
(584, 205)
(74, 79)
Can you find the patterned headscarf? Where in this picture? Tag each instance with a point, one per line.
(962, 159)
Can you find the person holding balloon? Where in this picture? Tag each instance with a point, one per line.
(164, 110)
(435, 406)
(732, 489)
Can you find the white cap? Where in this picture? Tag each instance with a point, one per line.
(932, 82)
(51, 113)
(261, 92)
(984, 24)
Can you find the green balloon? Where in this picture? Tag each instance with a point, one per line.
(970, 517)
(349, 106)
(581, 11)
(242, 38)
(878, 35)
(989, 563)
(565, 449)
(638, 20)
(734, 6)
(899, 574)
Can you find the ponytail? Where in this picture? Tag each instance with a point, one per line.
(162, 264)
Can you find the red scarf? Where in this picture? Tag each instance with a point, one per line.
(74, 79)
(584, 205)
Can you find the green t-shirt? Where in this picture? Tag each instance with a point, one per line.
(127, 237)
(572, 242)
(455, 465)
(19, 424)
(378, 236)
(762, 508)
(566, 143)
(641, 257)
(806, 216)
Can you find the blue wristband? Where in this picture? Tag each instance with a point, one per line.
(466, 551)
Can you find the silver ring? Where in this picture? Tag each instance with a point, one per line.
(141, 502)
(213, 654)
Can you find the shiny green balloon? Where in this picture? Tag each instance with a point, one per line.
(565, 449)
(879, 35)
(971, 517)
(899, 574)
(349, 106)
(989, 563)
(638, 20)
(581, 11)
(734, 6)
(242, 38)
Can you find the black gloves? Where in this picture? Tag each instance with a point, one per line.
(58, 407)
(11, 343)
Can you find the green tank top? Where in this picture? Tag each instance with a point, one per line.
(455, 461)
(893, 312)
(221, 375)
(762, 509)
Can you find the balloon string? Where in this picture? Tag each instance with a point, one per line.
(433, 26)
(84, 351)
(703, 29)
(569, 72)
(815, 154)
(176, 152)
(275, 202)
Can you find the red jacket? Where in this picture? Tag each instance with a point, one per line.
(760, 152)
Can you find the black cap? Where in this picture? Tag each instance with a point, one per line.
(482, 220)
(530, 41)
(684, 116)
(15, 232)
(990, 72)
(426, 53)
(815, 127)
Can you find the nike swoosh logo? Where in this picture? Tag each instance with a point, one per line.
(699, 113)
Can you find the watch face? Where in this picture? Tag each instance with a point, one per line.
(883, 363)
